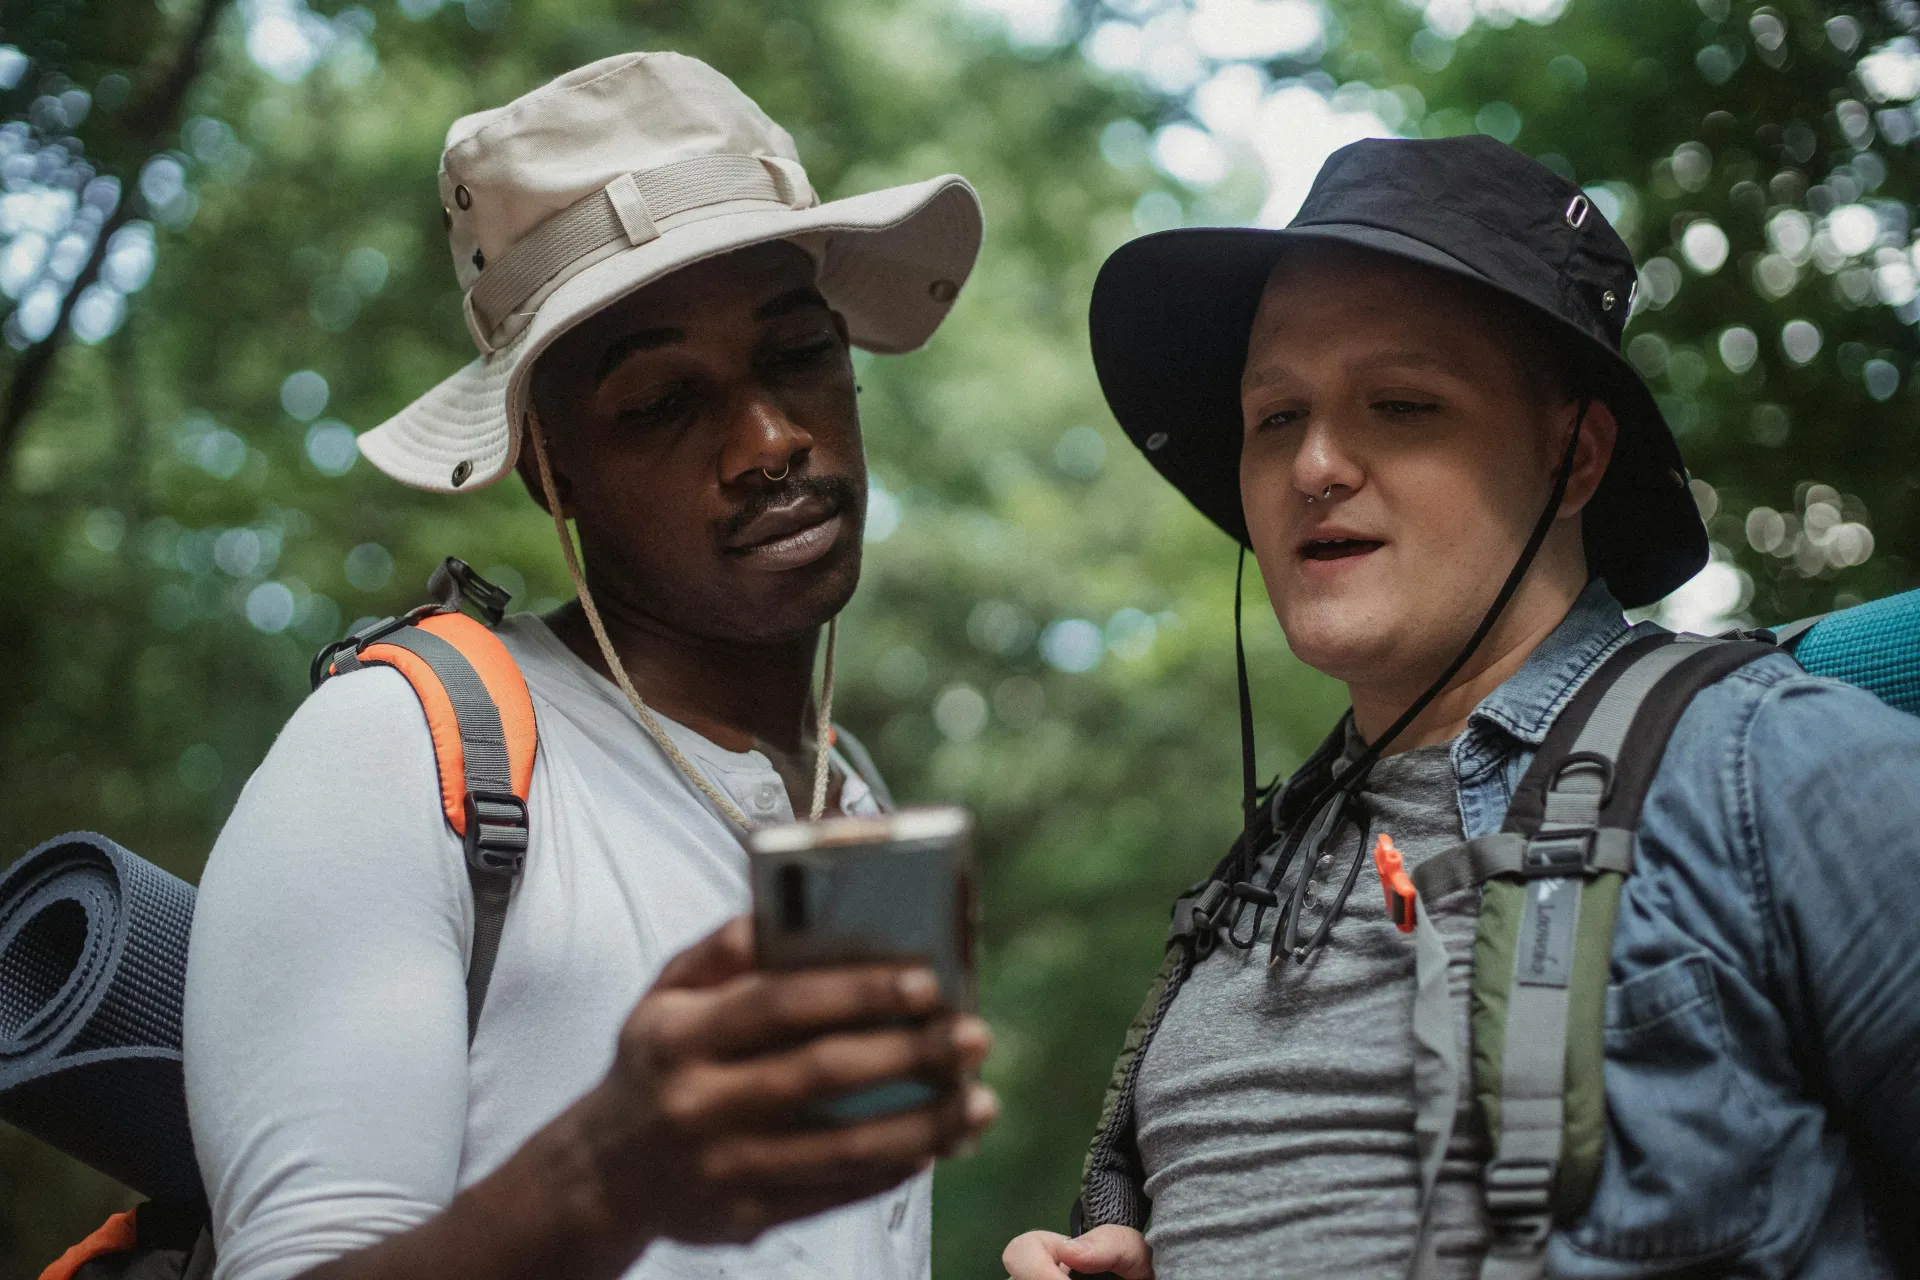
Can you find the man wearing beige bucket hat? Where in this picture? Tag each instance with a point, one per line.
(663, 310)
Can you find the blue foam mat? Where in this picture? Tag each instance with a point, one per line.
(93, 960)
(1874, 645)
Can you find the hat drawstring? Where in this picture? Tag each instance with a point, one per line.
(823, 732)
(1249, 773)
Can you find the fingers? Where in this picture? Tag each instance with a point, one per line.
(1033, 1256)
(774, 1089)
(884, 1150)
(1121, 1250)
(725, 953)
(757, 1011)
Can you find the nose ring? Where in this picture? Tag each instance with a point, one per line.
(783, 472)
(1324, 494)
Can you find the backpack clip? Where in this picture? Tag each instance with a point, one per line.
(1559, 853)
(495, 840)
(455, 582)
(1194, 916)
(1401, 899)
(327, 662)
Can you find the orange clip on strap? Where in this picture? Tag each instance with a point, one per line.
(1393, 878)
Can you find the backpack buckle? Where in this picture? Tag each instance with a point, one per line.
(497, 832)
(1558, 853)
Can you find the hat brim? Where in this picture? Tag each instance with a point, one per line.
(1168, 325)
(893, 261)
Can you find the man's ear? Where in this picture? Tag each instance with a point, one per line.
(1599, 433)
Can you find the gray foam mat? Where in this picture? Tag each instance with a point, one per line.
(93, 962)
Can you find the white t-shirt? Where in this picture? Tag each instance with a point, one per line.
(333, 1095)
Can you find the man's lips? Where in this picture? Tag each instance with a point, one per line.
(791, 534)
(784, 520)
(1338, 544)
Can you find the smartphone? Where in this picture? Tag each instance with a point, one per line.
(890, 887)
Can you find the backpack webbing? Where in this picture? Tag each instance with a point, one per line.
(1551, 882)
(480, 716)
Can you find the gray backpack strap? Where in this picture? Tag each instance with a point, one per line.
(1555, 866)
(1551, 882)
(496, 819)
(494, 724)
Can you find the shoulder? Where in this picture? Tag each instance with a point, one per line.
(350, 786)
(1778, 747)
(1784, 722)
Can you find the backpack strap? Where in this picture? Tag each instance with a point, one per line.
(480, 716)
(1551, 883)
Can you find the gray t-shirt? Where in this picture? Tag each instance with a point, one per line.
(1276, 1105)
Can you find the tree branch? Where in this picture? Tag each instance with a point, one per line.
(156, 115)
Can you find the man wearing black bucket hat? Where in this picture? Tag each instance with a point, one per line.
(1648, 1006)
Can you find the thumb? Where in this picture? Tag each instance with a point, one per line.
(1120, 1250)
(725, 953)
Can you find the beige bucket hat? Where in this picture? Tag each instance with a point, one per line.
(612, 176)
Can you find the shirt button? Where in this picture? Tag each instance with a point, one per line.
(1326, 860)
(766, 797)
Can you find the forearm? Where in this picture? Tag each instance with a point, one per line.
(543, 1213)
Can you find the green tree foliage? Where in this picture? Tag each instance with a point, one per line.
(1044, 630)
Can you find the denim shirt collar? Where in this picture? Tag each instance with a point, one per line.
(1511, 722)
(1524, 707)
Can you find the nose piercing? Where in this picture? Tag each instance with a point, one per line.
(1324, 494)
(783, 472)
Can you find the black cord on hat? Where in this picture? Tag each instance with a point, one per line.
(1249, 777)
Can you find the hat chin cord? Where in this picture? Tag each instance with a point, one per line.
(1351, 779)
(823, 723)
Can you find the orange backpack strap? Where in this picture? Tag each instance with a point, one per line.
(116, 1235)
(484, 740)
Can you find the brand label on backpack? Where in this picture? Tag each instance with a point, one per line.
(1547, 931)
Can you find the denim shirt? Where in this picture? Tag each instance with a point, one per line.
(1763, 1018)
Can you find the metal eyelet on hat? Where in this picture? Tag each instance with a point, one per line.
(461, 471)
(1577, 210)
(446, 216)
(1607, 300)
(463, 198)
(943, 290)
(1157, 440)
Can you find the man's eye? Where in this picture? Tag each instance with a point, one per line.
(1404, 408)
(802, 357)
(1283, 417)
(657, 410)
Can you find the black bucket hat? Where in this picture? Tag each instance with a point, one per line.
(1171, 313)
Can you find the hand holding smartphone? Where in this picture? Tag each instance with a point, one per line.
(889, 887)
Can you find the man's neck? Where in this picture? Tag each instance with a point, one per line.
(742, 697)
(1528, 620)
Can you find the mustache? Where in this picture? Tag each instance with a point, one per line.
(840, 491)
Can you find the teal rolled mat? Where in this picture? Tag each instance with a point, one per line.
(1875, 645)
(93, 962)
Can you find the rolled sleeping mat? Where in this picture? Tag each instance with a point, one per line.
(1874, 645)
(93, 962)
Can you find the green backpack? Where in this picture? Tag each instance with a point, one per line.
(1550, 883)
